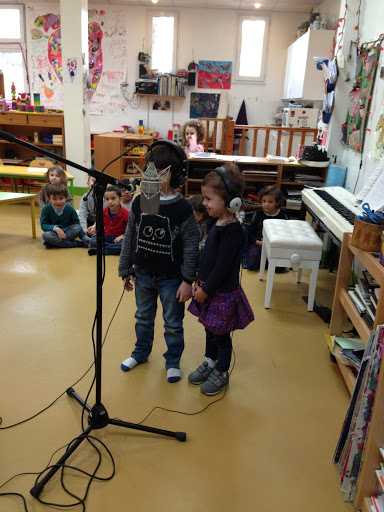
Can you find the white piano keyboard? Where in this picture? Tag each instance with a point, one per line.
(334, 209)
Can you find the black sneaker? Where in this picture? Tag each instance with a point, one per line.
(201, 374)
(92, 252)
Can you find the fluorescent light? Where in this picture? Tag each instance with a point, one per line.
(155, 1)
(257, 5)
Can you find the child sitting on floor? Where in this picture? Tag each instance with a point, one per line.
(271, 199)
(115, 222)
(55, 174)
(126, 196)
(59, 220)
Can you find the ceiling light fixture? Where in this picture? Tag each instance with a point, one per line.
(155, 1)
(257, 5)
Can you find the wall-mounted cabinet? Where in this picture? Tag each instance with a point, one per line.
(302, 79)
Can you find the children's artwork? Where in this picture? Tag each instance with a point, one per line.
(204, 105)
(353, 130)
(106, 56)
(214, 74)
(72, 68)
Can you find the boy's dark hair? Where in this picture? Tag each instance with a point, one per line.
(60, 171)
(163, 156)
(197, 204)
(215, 181)
(275, 192)
(56, 189)
(198, 126)
(125, 181)
(113, 188)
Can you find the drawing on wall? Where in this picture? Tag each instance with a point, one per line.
(204, 105)
(106, 59)
(161, 105)
(72, 68)
(353, 130)
(214, 74)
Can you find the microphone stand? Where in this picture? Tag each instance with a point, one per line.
(98, 416)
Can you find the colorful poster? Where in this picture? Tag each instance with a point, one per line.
(204, 105)
(106, 56)
(214, 74)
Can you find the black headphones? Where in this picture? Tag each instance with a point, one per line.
(232, 201)
(179, 176)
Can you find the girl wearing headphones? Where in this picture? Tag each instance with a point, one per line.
(218, 299)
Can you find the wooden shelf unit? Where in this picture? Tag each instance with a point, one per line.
(108, 146)
(26, 124)
(284, 177)
(343, 307)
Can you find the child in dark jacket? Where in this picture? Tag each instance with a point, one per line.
(271, 199)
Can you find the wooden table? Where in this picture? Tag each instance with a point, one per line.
(16, 172)
(11, 198)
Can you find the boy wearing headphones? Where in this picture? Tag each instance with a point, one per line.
(159, 258)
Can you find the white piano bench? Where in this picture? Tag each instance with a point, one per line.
(290, 243)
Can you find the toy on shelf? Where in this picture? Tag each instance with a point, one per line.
(36, 99)
(174, 134)
(13, 94)
(135, 151)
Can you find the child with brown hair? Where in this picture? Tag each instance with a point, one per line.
(55, 174)
(59, 220)
(271, 198)
(193, 134)
(203, 220)
(218, 298)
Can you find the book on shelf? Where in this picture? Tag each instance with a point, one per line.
(364, 288)
(359, 305)
(370, 280)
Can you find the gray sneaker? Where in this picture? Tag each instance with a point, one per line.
(201, 374)
(216, 382)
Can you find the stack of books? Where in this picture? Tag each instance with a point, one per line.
(171, 85)
(57, 139)
(365, 296)
(294, 200)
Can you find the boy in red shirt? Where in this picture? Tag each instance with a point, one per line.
(115, 222)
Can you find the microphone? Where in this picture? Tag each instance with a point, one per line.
(150, 189)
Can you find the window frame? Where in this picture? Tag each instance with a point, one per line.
(20, 8)
(159, 14)
(251, 79)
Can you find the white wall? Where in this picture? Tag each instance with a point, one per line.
(211, 36)
(371, 26)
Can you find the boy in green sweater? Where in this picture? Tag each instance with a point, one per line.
(59, 220)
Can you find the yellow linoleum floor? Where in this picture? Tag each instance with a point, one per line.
(267, 446)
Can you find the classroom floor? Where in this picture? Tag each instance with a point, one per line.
(266, 446)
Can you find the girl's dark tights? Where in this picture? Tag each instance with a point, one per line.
(219, 347)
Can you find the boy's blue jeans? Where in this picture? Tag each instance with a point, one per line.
(72, 233)
(109, 245)
(148, 288)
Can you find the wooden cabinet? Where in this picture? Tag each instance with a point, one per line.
(41, 129)
(108, 146)
(343, 307)
(302, 79)
(257, 173)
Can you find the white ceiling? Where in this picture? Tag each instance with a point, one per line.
(267, 5)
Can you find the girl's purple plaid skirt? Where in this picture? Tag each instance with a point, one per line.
(225, 312)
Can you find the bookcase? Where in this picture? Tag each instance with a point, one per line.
(108, 146)
(257, 173)
(34, 127)
(343, 307)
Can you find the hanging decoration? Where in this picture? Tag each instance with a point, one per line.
(354, 128)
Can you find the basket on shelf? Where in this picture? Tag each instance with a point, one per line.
(366, 235)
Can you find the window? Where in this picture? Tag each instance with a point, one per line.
(163, 37)
(12, 48)
(251, 48)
